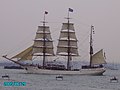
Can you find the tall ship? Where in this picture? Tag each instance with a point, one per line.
(67, 46)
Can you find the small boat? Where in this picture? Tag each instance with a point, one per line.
(6, 76)
(60, 77)
(114, 79)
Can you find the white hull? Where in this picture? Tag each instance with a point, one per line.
(92, 71)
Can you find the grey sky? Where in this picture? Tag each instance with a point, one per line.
(19, 20)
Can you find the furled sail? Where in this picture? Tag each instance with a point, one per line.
(98, 58)
(63, 46)
(43, 40)
(24, 55)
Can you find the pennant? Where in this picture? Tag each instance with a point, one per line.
(93, 29)
(70, 10)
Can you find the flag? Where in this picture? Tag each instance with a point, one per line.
(70, 10)
(92, 27)
(46, 12)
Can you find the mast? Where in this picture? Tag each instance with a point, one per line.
(91, 45)
(67, 45)
(44, 41)
(97, 58)
(68, 61)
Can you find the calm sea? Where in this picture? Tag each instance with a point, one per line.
(49, 82)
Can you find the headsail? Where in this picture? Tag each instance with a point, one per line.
(24, 55)
(98, 58)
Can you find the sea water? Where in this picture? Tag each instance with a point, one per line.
(49, 82)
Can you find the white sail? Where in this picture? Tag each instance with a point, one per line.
(65, 26)
(63, 51)
(62, 48)
(64, 34)
(64, 43)
(98, 58)
(39, 51)
(40, 43)
(41, 30)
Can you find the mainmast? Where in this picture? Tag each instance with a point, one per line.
(67, 45)
(69, 56)
(91, 45)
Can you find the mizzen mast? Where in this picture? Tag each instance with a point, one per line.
(91, 45)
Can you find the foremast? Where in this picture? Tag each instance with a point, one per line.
(43, 43)
(42, 46)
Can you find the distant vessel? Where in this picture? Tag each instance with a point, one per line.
(114, 66)
(67, 46)
(13, 67)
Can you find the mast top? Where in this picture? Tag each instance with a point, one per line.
(68, 17)
(45, 13)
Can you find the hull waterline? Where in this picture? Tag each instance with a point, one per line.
(92, 71)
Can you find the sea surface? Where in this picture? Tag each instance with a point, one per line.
(49, 82)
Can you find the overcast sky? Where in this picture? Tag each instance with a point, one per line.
(19, 20)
